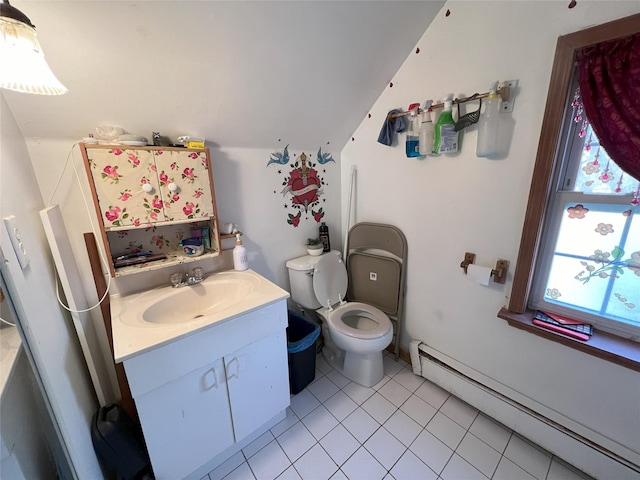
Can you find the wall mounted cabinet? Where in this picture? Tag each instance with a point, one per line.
(149, 198)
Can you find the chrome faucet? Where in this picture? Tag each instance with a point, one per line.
(180, 279)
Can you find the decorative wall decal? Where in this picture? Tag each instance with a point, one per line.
(303, 184)
(448, 13)
(572, 3)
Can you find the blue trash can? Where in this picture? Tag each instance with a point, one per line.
(301, 348)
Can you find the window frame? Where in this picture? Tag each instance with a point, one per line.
(542, 183)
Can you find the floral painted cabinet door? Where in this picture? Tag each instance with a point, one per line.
(185, 184)
(127, 187)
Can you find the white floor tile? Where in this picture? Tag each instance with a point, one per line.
(419, 410)
(528, 457)
(490, 432)
(384, 380)
(560, 471)
(316, 464)
(458, 411)
(362, 466)
(303, 403)
(243, 472)
(394, 392)
(323, 389)
(320, 422)
(339, 444)
(360, 424)
(269, 462)
(432, 394)
(340, 405)
(408, 379)
(478, 454)
(391, 367)
(385, 448)
(410, 467)
(340, 380)
(258, 444)
(323, 365)
(458, 468)
(358, 393)
(296, 441)
(226, 467)
(431, 451)
(290, 420)
(507, 470)
(339, 475)
(446, 430)
(401, 426)
(290, 474)
(379, 408)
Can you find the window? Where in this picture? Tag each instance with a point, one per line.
(589, 266)
(560, 184)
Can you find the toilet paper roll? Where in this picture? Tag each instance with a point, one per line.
(478, 274)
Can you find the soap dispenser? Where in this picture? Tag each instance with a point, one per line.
(240, 261)
(413, 132)
(445, 137)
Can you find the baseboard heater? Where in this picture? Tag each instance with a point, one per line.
(516, 412)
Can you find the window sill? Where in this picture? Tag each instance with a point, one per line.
(601, 344)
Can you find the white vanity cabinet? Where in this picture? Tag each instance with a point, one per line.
(201, 395)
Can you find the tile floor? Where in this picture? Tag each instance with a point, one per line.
(403, 428)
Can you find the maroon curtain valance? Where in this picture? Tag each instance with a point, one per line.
(609, 78)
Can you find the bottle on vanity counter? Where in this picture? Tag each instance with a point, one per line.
(240, 261)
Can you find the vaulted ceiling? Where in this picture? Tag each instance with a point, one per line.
(240, 73)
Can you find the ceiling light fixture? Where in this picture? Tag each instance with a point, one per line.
(22, 64)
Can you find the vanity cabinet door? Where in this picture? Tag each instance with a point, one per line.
(185, 184)
(258, 383)
(127, 186)
(186, 422)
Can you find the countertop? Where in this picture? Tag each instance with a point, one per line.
(132, 335)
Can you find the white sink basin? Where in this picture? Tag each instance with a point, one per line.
(142, 321)
(214, 294)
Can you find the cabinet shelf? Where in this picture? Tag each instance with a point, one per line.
(173, 258)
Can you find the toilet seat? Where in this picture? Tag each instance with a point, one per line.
(355, 312)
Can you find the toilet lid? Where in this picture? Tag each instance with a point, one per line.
(330, 279)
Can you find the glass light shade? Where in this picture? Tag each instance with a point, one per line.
(24, 68)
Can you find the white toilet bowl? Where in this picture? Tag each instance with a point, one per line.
(357, 332)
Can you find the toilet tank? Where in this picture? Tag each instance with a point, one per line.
(301, 281)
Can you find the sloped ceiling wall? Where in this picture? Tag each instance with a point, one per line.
(241, 74)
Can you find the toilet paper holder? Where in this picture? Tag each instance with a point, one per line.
(499, 273)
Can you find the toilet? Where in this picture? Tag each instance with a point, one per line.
(355, 333)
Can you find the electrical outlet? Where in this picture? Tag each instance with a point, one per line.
(16, 241)
(373, 276)
(507, 106)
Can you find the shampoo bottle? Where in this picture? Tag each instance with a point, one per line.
(445, 136)
(240, 261)
(426, 130)
(413, 131)
(489, 124)
(324, 237)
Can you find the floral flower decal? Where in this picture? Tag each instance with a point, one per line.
(604, 228)
(187, 174)
(124, 196)
(553, 293)
(198, 193)
(191, 210)
(317, 216)
(579, 211)
(116, 151)
(133, 159)
(115, 215)
(110, 172)
(609, 265)
(294, 219)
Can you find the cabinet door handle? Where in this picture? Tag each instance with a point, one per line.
(234, 374)
(173, 187)
(147, 187)
(207, 384)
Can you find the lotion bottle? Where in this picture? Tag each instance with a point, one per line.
(489, 124)
(426, 130)
(240, 261)
(445, 136)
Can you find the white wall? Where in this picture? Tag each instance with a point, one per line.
(447, 206)
(245, 196)
(48, 332)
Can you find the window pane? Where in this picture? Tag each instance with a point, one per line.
(595, 266)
